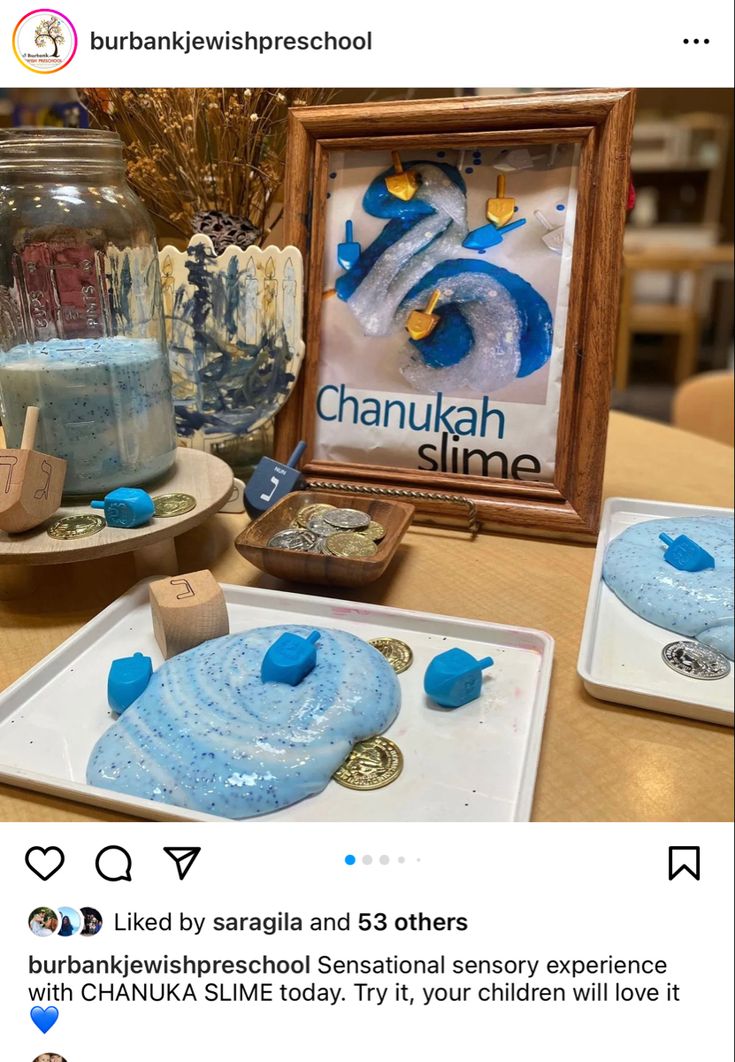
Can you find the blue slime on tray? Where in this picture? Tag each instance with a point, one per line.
(105, 407)
(208, 734)
(694, 604)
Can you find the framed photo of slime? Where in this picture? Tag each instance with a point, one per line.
(463, 273)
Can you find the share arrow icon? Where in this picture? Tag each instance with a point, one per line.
(184, 858)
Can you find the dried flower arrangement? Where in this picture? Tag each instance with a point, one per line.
(205, 160)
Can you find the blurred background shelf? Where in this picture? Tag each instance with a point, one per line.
(676, 314)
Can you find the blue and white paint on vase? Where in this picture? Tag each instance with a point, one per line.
(233, 323)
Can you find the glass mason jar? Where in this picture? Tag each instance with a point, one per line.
(81, 324)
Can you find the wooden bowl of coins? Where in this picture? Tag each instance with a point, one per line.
(326, 537)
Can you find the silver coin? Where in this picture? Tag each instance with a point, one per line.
(347, 519)
(294, 539)
(695, 660)
(320, 527)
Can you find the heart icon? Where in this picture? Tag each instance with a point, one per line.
(44, 862)
(44, 1018)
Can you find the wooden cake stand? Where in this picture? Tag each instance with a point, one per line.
(206, 478)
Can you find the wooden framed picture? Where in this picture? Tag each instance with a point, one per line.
(463, 261)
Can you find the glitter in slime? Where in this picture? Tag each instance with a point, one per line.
(494, 326)
(208, 734)
(105, 407)
(695, 604)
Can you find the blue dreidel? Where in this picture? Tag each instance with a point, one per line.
(453, 678)
(290, 659)
(488, 236)
(685, 554)
(349, 251)
(126, 507)
(271, 481)
(127, 679)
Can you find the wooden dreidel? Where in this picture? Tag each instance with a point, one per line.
(187, 610)
(290, 659)
(403, 184)
(455, 677)
(421, 323)
(500, 209)
(31, 483)
(349, 251)
(685, 554)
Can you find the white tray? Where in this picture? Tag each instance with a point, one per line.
(620, 654)
(477, 763)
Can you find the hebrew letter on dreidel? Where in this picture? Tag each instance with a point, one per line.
(8, 462)
(42, 491)
(188, 617)
(34, 483)
(267, 497)
(183, 582)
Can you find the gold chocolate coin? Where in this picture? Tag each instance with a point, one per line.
(372, 764)
(76, 526)
(309, 511)
(351, 544)
(397, 653)
(374, 530)
(173, 504)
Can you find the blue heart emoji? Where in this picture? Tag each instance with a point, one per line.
(44, 1019)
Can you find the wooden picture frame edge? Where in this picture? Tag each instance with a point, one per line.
(601, 119)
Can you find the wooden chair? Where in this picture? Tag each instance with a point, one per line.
(679, 317)
(705, 405)
(669, 318)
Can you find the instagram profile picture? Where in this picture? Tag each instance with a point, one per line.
(49, 1058)
(43, 921)
(91, 921)
(70, 921)
(44, 41)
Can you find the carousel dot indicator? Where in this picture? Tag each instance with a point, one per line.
(367, 860)
(350, 860)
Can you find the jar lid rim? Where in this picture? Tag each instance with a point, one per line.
(61, 150)
(58, 135)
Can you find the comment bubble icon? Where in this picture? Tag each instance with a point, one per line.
(114, 863)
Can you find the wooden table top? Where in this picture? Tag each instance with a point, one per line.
(599, 761)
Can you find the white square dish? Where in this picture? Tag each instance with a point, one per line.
(477, 763)
(620, 653)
